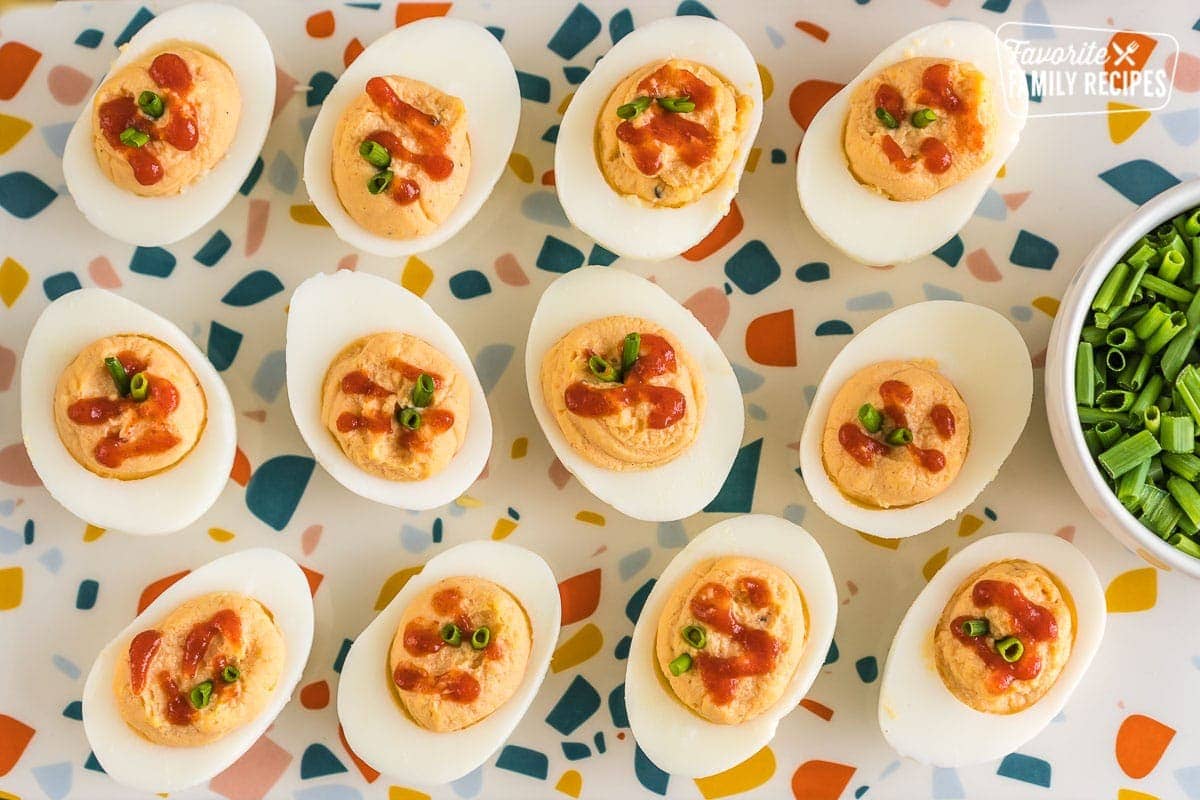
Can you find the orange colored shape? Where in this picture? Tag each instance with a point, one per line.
(14, 738)
(822, 711)
(17, 61)
(353, 50)
(315, 696)
(813, 29)
(411, 12)
(1141, 742)
(151, 592)
(580, 595)
(314, 579)
(369, 775)
(722, 234)
(320, 25)
(820, 780)
(1127, 52)
(771, 339)
(548, 178)
(808, 97)
(241, 468)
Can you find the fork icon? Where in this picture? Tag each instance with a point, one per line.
(1124, 55)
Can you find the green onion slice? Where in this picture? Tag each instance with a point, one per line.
(201, 694)
(634, 107)
(151, 104)
(121, 378)
(923, 117)
(132, 137)
(422, 393)
(451, 634)
(696, 636)
(231, 673)
(375, 154)
(975, 627)
(379, 182)
(899, 436)
(602, 369)
(886, 118)
(680, 665)
(870, 417)
(139, 387)
(630, 350)
(677, 105)
(1010, 649)
(408, 417)
(481, 637)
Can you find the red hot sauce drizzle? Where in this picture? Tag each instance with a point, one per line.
(864, 448)
(888, 98)
(431, 136)
(713, 606)
(423, 637)
(225, 623)
(142, 650)
(1030, 623)
(660, 128)
(357, 382)
(667, 404)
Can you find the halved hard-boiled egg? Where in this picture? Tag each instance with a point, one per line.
(169, 136)
(440, 678)
(188, 686)
(915, 416)
(634, 395)
(730, 639)
(991, 650)
(652, 147)
(907, 149)
(383, 391)
(126, 422)
(413, 137)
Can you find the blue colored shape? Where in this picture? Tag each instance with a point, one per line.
(89, 38)
(223, 344)
(210, 253)
(85, 597)
(1021, 313)
(834, 327)
(578, 703)
(999, 6)
(66, 666)
(469, 283)
(335, 791)
(671, 534)
(24, 195)
(413, 539)
(621, 651)
(1182, 126)
(832, 656)
(691, 8)
(269, 377)
(794, 513)
(319, 86)
(778, 156)
(1188, 779)
(616, 706)
(56, 137)
(57, 285)
(343, 651)
(10, 541)
(470, 784)
(558, 256)
(318, 761)
(747, 379)
(812, 272)
(633, 609)
(515, 758)
(276, 487)
(633, 563)
(870, 302)
(551, 134)
(1025, 768)
(543, 207)
(54, 779)
(752, 268)
(756, 412)
(601, 257)
(252, 177)
(867, 668)
(574, 751)
(153, 261)
(621, 25)
(946, 785)
(533, 87)
(283, 175)
(991, 206)
(934, 292)
(1139, 180)
(575, 75)
(93, 764)
(775, 37)
(737, 493)
(951, 251)
(253, 288)
(1031, 250)
(52, 560)
(135, 24)
(576, 32)
(490, 364)
(598, 739)
(648, 773)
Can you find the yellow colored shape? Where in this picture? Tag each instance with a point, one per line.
(392, 586)
(521, 167)
(402, 793)
(562, 107)
(12, 586)
(1130, 794)
(1003, 171)
(6, 796)
(520, 447)
(970, 523)
(752, 161)
(220, 535)
(879, 541)
(504, 526)
(768, 82)
(750, 774)
(13, 278)
(12, 130)
(586, 642)
(591, 518)
(307, 214)
(417, 276)
(466, 501)
(570, 784)
(1046, 305)
(1136, 590)
(92, 532)
(936, 562)
(1124, 121)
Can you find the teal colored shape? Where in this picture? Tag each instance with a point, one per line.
(85, 597)
(318, 762)
(343, 651)
(210, 253)
(223, 344)
(867, 668)
(1025, 768)
(833, 654)
(558, 256)
(28, 531)
(57, 285)
(469, 283)
(575, 75)
(577, 705)
(616, 707)
(753, 268)
(533, 87)
(269, 377)
(601, 257)
(525, 761)
(74, 710)
(276, 487)
(621, 651)
(778, 156)
(551, 134)
(648, 774)
(496, 31)
(999, 6)
(135, 24)
(633, 609)
(737, 494)
(599, 741)
(490, 364)
(23, 195)
(153, 261)
(253, 288)
(574, 751)
(1139, 180)
(283, 174)
(633, 563)
(834, 327)
(951, 251)
(813, 272)
(1031, 250)
(54, 779)
(860, 791)
(543, 207)
(252, 177)
(621, 25)
(319, 86)
(690, 8)
(576, 32)
(89, 38)
(93, 764)
(934, 292)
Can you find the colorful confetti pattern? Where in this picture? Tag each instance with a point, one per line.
(781, 303)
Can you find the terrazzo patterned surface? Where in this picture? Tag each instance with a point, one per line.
(781, 303)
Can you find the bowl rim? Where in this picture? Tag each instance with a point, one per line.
(1060, 387)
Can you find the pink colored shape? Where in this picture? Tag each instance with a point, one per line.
(982, 267)
(1187, 71)
(941, 3)
(558, 474)
(711, 307)
(253, 775)
(509, 270)
(102, 273)
(1039, 359)
(285, 88)
(258, 415)
(68, 85)
(349, 262)
(1066, 532)
(311, 538)
(15, 468)
(8, 367)
(256, 225)
(1015, 200)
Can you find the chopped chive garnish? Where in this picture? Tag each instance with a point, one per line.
(481, 637)
(230, 673)
(634, 107)
(201, 694)
(151, 104)
(603, 370)
(408, 417)
(681, 664)
(975, 627)
(132, 137)
(629, 350)
(1177, 434)
(695, 635)
(870, 417)
(422, 393)
(899, 436)
(121, 378)
(375, 154)
(1125, 455)
(139, 387)
(1010, 649)
(379, 182)
(886, 118)
(451, 634)
(923, 117)
(677, 105)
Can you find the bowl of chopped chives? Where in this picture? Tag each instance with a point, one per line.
(1123, 381)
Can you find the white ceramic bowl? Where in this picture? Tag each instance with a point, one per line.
(1060, 381)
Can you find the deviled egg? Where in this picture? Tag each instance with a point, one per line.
(126, 422)
(413, 137)
(907, 149)
(188, 686)
(635, 397)
(170, 135)
(729, 640)
(991, 650)
(435, 684)
(915, 416)
(652, 147)
(383, 392)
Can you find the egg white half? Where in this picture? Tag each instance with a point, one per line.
(459, 58)
(919, 716)
(685, 485)
(376, 726)
(674, 737)
(985, 358)
(627, 226)
(261, 573)
(866, 225)
(236, 39)
(328, 312)
(162, 503)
